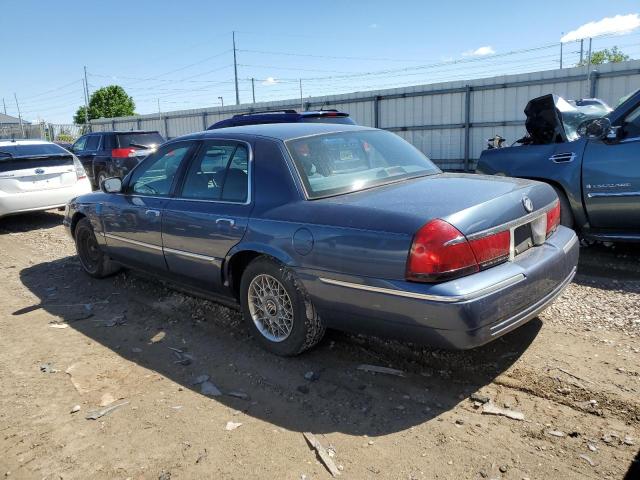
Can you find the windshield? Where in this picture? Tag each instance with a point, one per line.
(140, 140)
(29, 150)
(338, 163)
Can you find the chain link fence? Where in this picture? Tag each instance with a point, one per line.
(42, 131)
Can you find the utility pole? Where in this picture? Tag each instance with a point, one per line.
(253, 89)
(581, 50)
(589, 54)
(221, 101)
(86, 98)
(235, 68)
(4, 105)
(560, 55)
(19, 115)
(301, 101)
(160, 117)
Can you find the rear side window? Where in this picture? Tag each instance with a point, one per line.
(220, 172)
(80, 143)
(140, 140)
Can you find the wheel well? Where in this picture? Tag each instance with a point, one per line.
(237, 264)
(74, 222)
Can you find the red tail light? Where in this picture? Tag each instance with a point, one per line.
(492, 249)
(441, 252)
(553, 218)
(122, 152)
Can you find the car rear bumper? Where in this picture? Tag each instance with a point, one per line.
(41, 199)
(460, 314)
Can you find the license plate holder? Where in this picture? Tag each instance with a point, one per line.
(522, 239)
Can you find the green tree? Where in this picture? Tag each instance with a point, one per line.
(613, 55)
(108, 102)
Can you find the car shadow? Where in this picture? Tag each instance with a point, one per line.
(610, 267)
(26, 222)
(181, 337)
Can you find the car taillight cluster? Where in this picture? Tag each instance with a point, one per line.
(123, 152)
(553, 218)
(80, 171)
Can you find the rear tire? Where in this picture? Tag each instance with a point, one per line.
(92, 258)
(101, 178)
(277, 309)
(566, 215)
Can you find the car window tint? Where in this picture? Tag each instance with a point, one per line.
(80, 143)
(92, 143)
(632, 124)
(155, 177)
(207, 171)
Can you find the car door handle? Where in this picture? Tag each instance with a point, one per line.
(227, 221)
(155, 213)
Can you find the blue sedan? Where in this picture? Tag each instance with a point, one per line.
(309, 226)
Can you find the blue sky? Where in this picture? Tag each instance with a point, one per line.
(180, 52)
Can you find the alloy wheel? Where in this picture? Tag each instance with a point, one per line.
(270, 307)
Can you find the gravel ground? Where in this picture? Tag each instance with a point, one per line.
(571, 382)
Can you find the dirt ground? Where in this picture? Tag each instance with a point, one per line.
(69, 341)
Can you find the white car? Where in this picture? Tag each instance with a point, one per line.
(38, 175)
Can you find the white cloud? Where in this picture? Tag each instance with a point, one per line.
(479, 52)
(609, 25)
(270, 81)
(373, 25)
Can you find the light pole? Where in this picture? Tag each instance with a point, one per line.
(221, 101)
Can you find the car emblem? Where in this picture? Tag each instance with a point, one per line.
(39, 171)
(528, 204)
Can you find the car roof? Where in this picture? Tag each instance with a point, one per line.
(285, 131)
(7, 143)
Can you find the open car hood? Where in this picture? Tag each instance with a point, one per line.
(552, 119)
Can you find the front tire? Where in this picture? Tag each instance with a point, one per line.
(277, 309)
(92, 258)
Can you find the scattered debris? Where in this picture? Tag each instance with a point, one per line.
(201, 456)
(232, 426)
(491, 409)
(241, 395)
(556, 433)
(503, 468)
(311, 376)
(183, 358)
(478, 397)
(592, 447)
(75, 409)
(47, 368)
(58, 325)
(96, 414)
(116, 321)
(587, 459)
(303, 389)
(564, 390)
(165, 475)
(106, 399)
(628, 440)
(322, 453)
(608, 437)
(209, 389)
(200, 379)
(136, 350)
(377, 369)
(158, 337)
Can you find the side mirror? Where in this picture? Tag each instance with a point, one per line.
(599, 129)
(111, 185)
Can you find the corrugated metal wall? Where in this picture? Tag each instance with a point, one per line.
(449, 122)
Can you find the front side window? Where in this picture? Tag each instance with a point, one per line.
(92, 143)
(338, 163)
(631, 127)
(79, 145)
(220, 171)
(155, 176)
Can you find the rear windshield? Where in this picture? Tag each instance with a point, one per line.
(17, 150)
(338, 163)
(343, 120)
(140, 140)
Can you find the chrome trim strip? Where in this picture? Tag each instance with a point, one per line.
(612, 194)
(513, 223)
(133, 242)
(536, 308)
(569, 245)
(197, 256)
(425, 296)
(566, 157)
